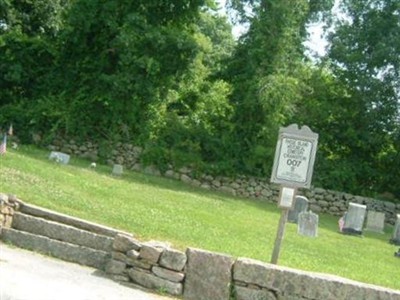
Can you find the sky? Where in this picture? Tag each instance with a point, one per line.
(316, 43)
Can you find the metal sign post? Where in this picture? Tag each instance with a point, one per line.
(293, 167)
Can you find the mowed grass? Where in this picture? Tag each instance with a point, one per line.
(163, 209)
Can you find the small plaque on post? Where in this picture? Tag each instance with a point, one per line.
(286, 198)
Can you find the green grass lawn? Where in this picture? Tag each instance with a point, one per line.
(167, 210)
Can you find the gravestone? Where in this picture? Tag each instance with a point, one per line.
(375, 221)
(397, 254)
(300, 205)
(117, 170)
(59, 157)
(396, 232)
(354, 219)
(308, 224)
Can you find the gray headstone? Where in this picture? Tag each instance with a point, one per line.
(308, 224)
(375, 221)
(396, 232)
(117, 170)
(354, 219)
(300, 205)
(59, 157)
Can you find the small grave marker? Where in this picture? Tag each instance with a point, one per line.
(308, 224)
(397, 254)
(354, 219)
(118, 170)
(300, 205)
(59, 157)
(375, 221)
(396, 232)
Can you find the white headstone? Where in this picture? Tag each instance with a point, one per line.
(354, 219)
(59, 157)
(396, 232)
(117, 170)
(308, 224)
(375, 221)
(300, 205)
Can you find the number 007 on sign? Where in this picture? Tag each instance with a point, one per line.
(294, 160)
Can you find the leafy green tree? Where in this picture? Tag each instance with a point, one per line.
(263, 74)
(32, 18)
(27, 55)
(193, 124)
(364, 57)
(119, 57)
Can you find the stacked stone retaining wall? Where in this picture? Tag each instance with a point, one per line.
(153, 265)
(321, 200)
(194, 274)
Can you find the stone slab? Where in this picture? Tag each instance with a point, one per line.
(244, 293)
(173, 259)
(288, 283)
(61, 232)
(48, 214)
(69, 252)
(300, 205)
(151, 281)
(375, 221)
(208, 275)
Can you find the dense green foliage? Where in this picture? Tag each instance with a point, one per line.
(169, 76)
(364, 56)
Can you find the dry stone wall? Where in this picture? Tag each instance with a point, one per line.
(8, 207)
(153, 265)
(194, 274)
(321, 200)
(254, 280)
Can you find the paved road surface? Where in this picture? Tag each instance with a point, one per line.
(26, 275)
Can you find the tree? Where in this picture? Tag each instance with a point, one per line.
(364, 57)
(27, 54)
(32, 18)
(117, 58)
(193, 124)
(263, 74)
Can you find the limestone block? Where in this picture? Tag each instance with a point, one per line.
(62, 232)
(118, 256)
(173, 259)
(168, 274)
(153, 282)
(244, 293)
(138, 263)
(251, 272)
(208, 275)
(150, 254)
(124, 243)
(115, 267)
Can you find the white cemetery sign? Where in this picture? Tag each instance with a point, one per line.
(293, 167)
(375, 221)
(294, 156)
